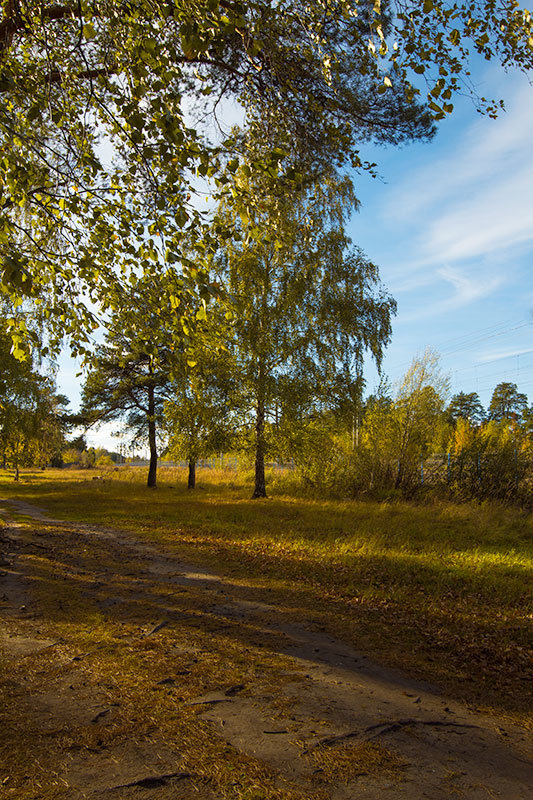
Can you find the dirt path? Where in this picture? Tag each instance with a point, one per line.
(322, 719)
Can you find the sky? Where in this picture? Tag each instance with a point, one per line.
(450, 225)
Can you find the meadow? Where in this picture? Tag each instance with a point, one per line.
(440, 590)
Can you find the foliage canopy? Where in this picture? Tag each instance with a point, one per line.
(97, 102)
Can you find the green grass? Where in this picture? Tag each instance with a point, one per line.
(441, 590)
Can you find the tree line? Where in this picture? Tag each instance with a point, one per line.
(394, 441)
(417, 436)
(352, 448)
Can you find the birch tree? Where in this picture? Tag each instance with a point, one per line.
(307, 309)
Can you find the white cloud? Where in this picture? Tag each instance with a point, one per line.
(476, 201)
(105, 435)
(498, 217)
(466, 288)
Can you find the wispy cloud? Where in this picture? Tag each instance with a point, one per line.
(499, 355)
(456, 289)
(467, 288)
(476, 200)
(498, 218)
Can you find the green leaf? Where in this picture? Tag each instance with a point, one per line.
(89, 31)
(33, 113)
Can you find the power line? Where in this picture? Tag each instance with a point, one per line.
(493, 360)
(481, 339)
(467, 341)
(523, 385)
(467, 336)
(502, 374)
(488, 331)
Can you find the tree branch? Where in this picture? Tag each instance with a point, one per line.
(14, 21)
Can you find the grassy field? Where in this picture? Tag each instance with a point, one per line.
(442, 591)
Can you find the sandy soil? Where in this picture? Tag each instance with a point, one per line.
(339, 699)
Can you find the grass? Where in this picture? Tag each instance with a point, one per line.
(441, 590)
(27, 754)
(114, 658)
(349, 761)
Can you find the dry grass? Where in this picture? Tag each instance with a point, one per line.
(114, 659)
(439, 589)
(347, 762)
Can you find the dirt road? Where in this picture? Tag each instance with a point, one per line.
(316, 717)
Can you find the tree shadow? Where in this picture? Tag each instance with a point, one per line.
(404, 612)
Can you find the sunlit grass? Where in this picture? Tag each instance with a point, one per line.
(440, 589)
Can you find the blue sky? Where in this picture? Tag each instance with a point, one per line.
(450, 224)
(451, 227)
